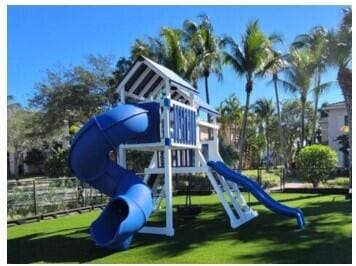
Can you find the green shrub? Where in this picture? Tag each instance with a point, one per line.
(338, 182)
(57, 164)
(315, 163)
(269, 183)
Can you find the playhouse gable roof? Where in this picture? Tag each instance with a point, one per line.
(145, 80)
(172, 76)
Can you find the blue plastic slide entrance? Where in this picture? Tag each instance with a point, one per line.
(131, 203)
(258, 192)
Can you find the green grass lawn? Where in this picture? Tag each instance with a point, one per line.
(269, 238)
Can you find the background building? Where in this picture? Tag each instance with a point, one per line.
(333, 126)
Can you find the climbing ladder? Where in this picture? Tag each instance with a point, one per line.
(230, 196)
(158, 192)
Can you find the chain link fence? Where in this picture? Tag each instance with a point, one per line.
(40, 196)
(331, 178)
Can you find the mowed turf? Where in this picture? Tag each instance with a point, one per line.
(269, 238)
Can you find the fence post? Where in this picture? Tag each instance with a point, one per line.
(283, 179)
(259, 176)
(34, 196)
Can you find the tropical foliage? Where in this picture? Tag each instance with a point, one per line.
(265, 131)
(250, 61)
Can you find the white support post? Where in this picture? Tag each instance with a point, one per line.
(122, 95)
(215, 139)
(198, 143)
(150, 166)
(168, 165)
(122, 156)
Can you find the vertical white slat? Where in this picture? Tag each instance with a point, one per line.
(168, 166)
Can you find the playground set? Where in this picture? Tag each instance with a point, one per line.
(162, 113)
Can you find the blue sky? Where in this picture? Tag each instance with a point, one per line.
(45, 37)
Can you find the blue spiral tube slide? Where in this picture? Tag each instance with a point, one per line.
(131, 202)
(258, 192)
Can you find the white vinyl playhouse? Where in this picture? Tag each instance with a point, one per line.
(161, 113)
(184, 135)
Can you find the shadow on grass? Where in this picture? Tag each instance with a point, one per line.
(322, 241)
(297, 198)
(318, 243)
(72, 247)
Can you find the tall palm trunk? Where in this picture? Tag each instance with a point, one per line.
(206, 77)
(244, 123)
(344, 77)
(267, 144)
(316, 103)
(235, 133)
(281, 137)
(303, 100)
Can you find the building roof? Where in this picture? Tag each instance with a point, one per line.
(206, 107)
(336, 105)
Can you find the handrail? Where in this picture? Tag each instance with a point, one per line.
(206, 124)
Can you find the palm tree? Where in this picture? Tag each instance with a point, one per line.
(340, 55)
(167, 50)
(276, 65)
(145, 48)
(299, 75)
(316, 41)
(224, 121)
(249, 62)
(230, 117)
(264, 110)
(234, 110)
(205, 46)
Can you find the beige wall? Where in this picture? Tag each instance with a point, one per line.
(332, 128)
(324, 130)
(336, 120)
(204, 133)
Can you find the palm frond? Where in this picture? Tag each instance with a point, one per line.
(234, 63)
(323, 87)
(287, 86)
